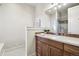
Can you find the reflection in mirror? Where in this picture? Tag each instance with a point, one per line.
(59, 17)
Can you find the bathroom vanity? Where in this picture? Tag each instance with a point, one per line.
(53, 45)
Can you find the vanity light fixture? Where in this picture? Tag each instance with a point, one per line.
(55, 4)
(64, 4)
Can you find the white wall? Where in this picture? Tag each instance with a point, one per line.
(40, 14)
(73, 20)
(13, 19)
(31, 40)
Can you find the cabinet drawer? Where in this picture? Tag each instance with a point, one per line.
(51, 42)
(71, 49)
(55, 44)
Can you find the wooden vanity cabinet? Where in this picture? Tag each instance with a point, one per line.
(48, 47)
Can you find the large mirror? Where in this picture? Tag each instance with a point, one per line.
(59, 18)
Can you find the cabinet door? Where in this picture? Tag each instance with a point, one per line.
(44, 49)
(55, 51)
(38, 48)
(67, 54)
(71, 49)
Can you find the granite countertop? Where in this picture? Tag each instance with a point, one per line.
(64, 39)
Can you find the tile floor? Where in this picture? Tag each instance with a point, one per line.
(15, 52)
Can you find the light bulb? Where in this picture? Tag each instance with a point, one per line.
(55, 8)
